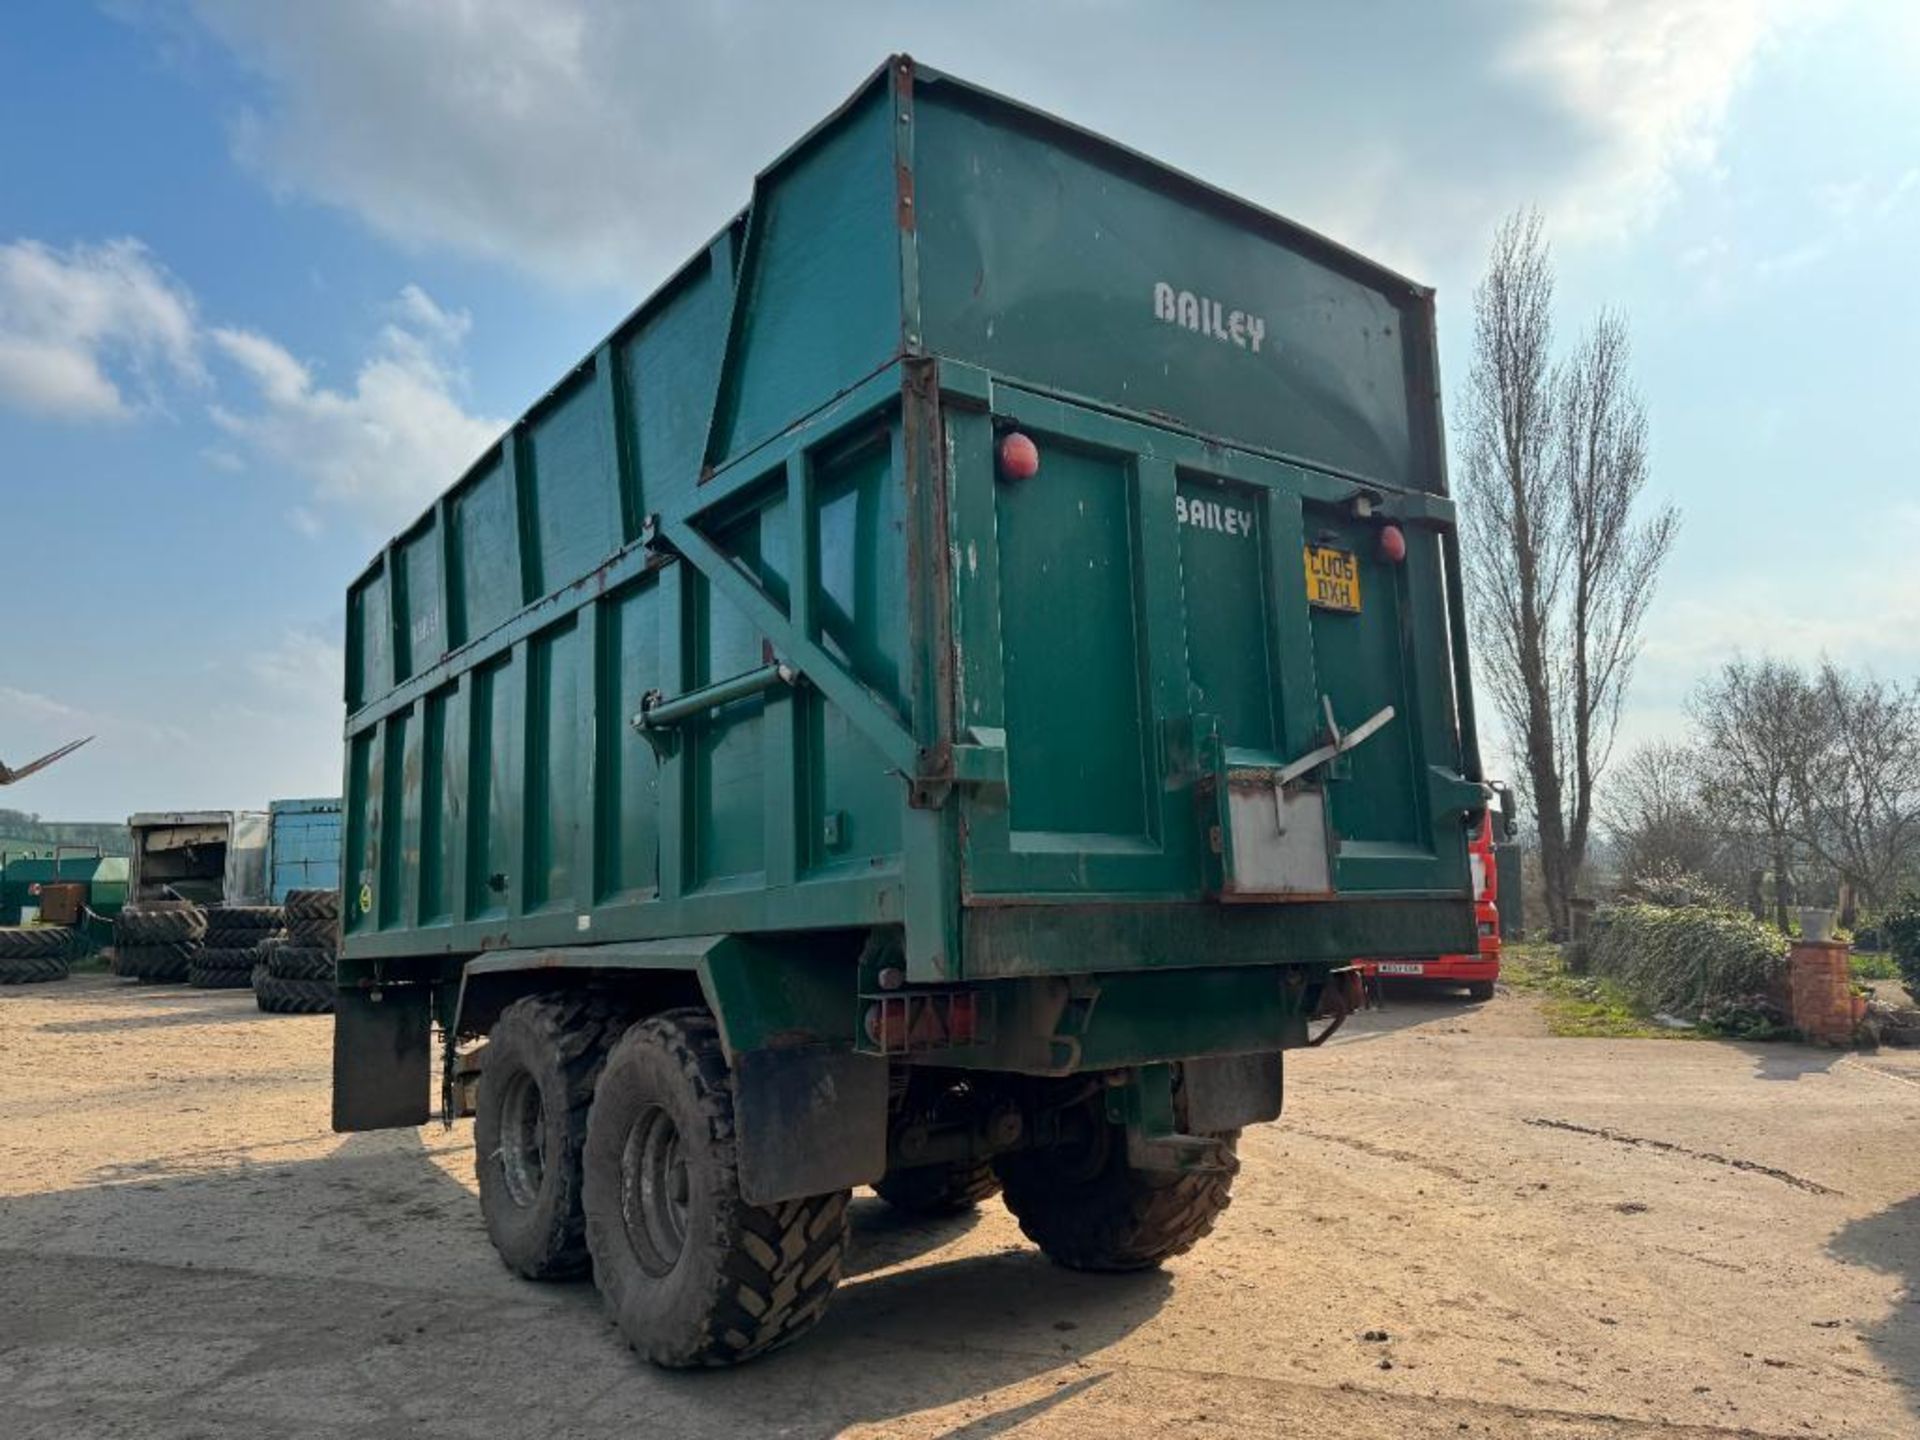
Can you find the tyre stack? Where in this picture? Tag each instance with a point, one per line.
(159, 941)
(30, 954)
(295, 973)
(233, 946)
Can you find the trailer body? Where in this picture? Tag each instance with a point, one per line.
(760, 668)
(210, 857)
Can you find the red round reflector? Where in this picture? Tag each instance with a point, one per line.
(1393, 544)
(1019, 457)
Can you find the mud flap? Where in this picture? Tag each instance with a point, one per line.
(382, 1057)
(810, 1119)
(1231, 1092)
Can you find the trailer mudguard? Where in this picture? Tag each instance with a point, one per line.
(810, 1113)
(382, 1057)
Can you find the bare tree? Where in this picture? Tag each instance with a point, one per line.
(1512, 515)
(1760, 729)
(1553, 464)
(1655, 815)
(1857, 788)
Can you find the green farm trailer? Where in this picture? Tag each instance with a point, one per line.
(935, 700)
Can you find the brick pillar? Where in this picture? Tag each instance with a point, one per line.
(1821, 995)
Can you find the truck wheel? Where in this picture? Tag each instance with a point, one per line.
(1479, 990)
(1083, 1205)
(692, 1273)
(530, 1122)
(948, 1189)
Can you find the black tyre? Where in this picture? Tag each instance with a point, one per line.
(949, 1189)
(246, 921)
(1088, 1209)
(31, 969)
(318, 934)
(312, 905)
(34, 942)
(156, 963)
(160, 924)
(1479, 990)
(291, 997)
(221, 970)
(530, 1125)
(690, 1272)
(296, 962)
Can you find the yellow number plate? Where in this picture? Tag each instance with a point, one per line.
(1333, 579)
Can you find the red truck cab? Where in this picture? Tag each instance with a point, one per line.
(1477, 971)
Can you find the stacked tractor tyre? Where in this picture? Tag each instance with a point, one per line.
(235, 942)
(295, 973)
(158, 942)
(30, 954)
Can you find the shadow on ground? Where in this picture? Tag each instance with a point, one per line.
(1403, 1006)
(1889, 1242)
(358, 1293)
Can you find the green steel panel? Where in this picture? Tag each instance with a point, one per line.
(1223, 585)
(557, 766)
(671, 364)
(819, 303)
(420, 634)
(1057, 257)
(628, 783)
(999, 684)
(569, 465)
(1069, 638)
(486, 570)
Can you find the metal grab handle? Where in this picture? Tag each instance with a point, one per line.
(657, 713)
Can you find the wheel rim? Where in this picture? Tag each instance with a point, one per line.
(523, 1129)
(654, 1188)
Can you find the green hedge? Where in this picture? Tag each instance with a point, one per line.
(1687, 958)
(1900, 927)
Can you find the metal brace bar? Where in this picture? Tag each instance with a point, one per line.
(1340, 744)
(873, 719)
(656, 713)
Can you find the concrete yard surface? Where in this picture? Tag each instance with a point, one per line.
(1555, 1237)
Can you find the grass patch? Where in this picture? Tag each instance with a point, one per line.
(1873, 965)
(1578, 1006)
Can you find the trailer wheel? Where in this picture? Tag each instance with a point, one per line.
(1087, 1209)
(31, 969)
(949, 1189)
(530, 1123)
(690, 1271)
(1479, 990)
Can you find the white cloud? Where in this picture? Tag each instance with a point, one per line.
(302, 666)
(1650, 81)
(379, 449)
(82, 329)
(593, 141)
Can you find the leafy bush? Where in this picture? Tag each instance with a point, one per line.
(1687, 958)
(1749, 1017)
(1900, 928)
(1672, 888)
(1874, 965)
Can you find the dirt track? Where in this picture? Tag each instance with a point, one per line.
(1559, 1238)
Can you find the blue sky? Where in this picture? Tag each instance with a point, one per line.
(271, 274)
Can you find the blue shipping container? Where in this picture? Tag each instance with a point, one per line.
(303, 846)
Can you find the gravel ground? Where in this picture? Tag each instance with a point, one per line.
(1556, 1238)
